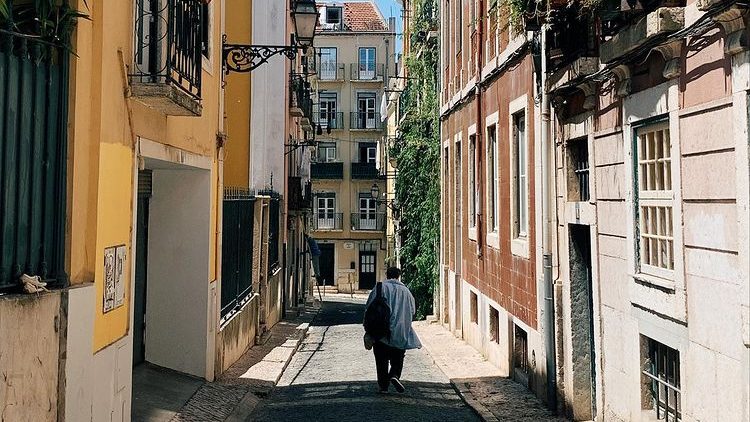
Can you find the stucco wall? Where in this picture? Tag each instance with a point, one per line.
(29, 356)
(237, 335)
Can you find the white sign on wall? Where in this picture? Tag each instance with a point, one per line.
(348, 245)
(114, 277)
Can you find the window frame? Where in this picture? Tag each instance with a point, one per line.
(653, 199)
(338, 9)
(328, 54)
(492, 178)
(653, 374)
(519, 238)
(207, 59)
(327, 146)
(473, 182)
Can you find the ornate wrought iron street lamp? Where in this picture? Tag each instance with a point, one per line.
(392, 204)
(245, 58)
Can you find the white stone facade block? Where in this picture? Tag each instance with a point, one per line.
(612, 218)
(700, 132)
(715, 315)
(610, 182)
(714, 265)
(608, 149)
(709, 176)
(711, 225)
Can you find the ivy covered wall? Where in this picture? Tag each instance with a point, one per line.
(417, 156)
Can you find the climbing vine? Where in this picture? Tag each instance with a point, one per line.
(417, 154)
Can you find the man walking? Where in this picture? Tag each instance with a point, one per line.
(390, 345)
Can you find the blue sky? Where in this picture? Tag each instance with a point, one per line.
(392, 8)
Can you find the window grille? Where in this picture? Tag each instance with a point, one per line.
(474, 307)
(661, 374)
(494, 325)
(579, 163)
(655, 199)
(521, 350)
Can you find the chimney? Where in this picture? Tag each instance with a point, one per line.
(392, 24)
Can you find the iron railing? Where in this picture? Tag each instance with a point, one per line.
(581, 169)
(329, 119)
(663, 373)
(301, 96)
(366, 71)
(300, 198)
(168, 44)
(365, 171)
(330, 170)
(323, 220)
(365, 120)
(273, 235)
(368, 221)
(237, 250)
(330, 71)
(33, 151)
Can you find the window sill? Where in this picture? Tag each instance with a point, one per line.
(520, 247)
(493, 240)
(653, 281)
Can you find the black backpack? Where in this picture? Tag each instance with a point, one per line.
(378, 316)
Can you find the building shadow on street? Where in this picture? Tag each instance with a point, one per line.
(359, 401)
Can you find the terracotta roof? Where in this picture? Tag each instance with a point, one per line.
(363, 16)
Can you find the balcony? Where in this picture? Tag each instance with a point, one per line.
(301, 104)
(368, 221)
(329, 71)
(300, 198)
(663, 20)
(365, 120)
(332, 120)
(327, 221)
(361, 72)
(329, 171)
(365, 171)
(168, 53)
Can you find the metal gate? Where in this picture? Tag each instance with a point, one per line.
(237, 250)
(33, 112)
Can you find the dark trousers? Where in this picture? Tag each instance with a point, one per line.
(385, 355)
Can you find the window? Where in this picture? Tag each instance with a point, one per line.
(654, 200)
(459, 28)
(328, 63)
(366, 117)
(326, 212)
(578, 170)
(367, 152)
(474, 307)
(326, 152)
(494, 325)
(661, 380)
(333, 15)
(327, 109)
(366, 63)
(368, 210)
(520, 352)
(520, 177)
(474, 195)
(493, 214)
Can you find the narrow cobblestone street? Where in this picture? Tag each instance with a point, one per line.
(332, 378)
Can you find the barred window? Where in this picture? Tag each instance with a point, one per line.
(661, 380)
(474, 194)
(655, 200)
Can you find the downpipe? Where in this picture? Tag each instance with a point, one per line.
(549, 294)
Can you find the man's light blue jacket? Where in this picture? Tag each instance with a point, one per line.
(401, 302)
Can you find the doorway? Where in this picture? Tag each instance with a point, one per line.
(367, 271)
(327, 259)
(582, 323)
(458, 238)
(141, 270)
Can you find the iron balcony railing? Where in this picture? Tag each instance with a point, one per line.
(33, 151)
(329, 119)
(365, 120)
(368, 221)
(169, 44)
(366, 71)
(301, 97)
(330, 71)
(299, 197)
(324, 220)
(365, 171)
(327, 170)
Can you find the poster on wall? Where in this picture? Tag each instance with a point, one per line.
(114, 277)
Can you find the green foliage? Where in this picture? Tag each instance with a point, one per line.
(52, 21)
(418, 161)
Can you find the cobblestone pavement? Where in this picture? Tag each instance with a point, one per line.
(332, 378)
(480, 383)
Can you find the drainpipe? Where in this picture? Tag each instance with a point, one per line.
(480, 130)
(549, 296)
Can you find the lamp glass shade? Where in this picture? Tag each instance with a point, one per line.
(305, 18)
(375, 191)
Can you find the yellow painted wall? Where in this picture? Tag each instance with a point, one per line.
(104, 126)
(237, 149)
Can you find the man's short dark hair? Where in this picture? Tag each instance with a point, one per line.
(392, 273)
